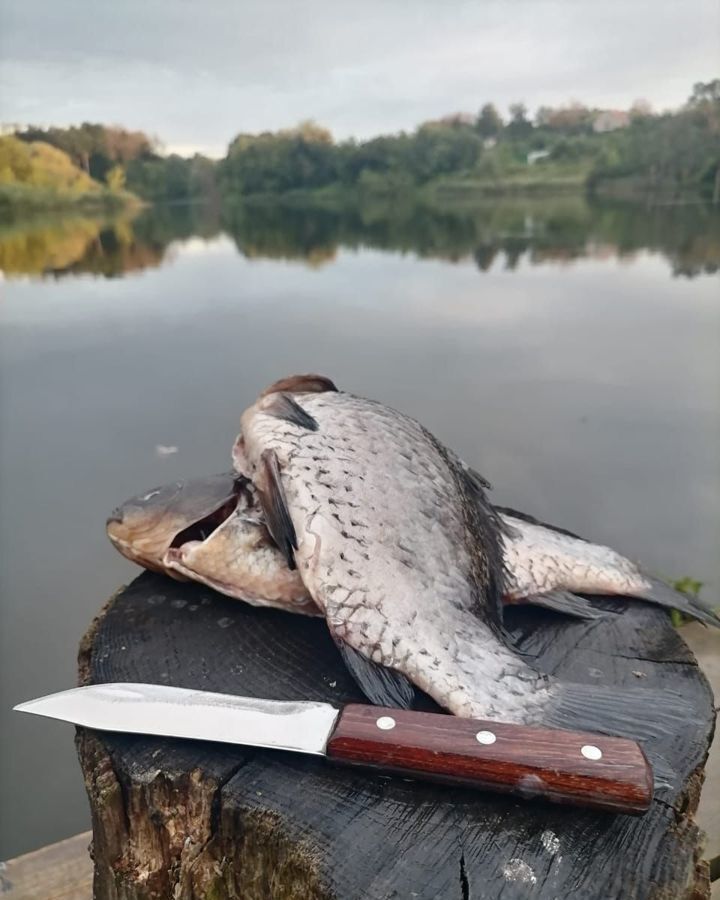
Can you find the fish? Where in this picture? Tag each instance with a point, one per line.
(549, 566)
(211, 531)
(396, 542)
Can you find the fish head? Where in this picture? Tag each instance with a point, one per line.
(209, 530)
(145, 527)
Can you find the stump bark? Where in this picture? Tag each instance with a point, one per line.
(189, 819)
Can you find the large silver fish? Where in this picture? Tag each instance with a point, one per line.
(396, 543)
(212, 530)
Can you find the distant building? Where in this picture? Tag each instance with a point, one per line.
(535, 155)
(610, 120)
(489, 143)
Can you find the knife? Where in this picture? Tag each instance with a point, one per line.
(576, 768)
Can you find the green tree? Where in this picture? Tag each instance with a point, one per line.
(438, 149)
(489, 123)
(705, 92)
(519, 127)
(302, 157)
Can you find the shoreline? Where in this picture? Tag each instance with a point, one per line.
(19, 201)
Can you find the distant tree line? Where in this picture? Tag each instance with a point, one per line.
(673, 149)
(678, 149)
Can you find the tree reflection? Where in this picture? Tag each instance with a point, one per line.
(505, 234)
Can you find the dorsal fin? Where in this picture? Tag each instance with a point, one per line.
(301, 384)
(282, 406)
(487, 525)
(531, 520)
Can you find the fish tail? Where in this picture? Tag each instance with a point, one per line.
(662, 594)
(664, 722)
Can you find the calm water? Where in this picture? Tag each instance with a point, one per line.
(570, 353)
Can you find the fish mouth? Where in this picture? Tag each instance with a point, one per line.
(203, 528)
(126, 549)
(127, 546)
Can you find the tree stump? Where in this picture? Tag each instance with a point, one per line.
(189, 819)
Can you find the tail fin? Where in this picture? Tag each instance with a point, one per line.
(674, 732)
(662, 594)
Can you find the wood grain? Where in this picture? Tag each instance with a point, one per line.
(187, 819)
(537, 763)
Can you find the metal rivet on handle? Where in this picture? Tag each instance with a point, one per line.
(485, 737)
(590, 751)
(385, 723)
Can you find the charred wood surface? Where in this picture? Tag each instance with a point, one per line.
(189, 819)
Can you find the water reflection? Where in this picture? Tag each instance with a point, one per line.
(535, 230)
(57, 245)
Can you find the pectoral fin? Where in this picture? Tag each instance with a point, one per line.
(274, 506)
(564, 602)
(282, 406)
(382, 686)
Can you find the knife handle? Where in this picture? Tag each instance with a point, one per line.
(570, 767)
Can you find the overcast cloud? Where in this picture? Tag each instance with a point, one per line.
(196, 73)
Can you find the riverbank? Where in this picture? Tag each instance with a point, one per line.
(22, 200)
(468, 190)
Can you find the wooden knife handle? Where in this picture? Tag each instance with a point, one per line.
(577, 768)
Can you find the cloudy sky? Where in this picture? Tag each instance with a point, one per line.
(195, 73)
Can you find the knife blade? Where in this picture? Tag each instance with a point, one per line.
(576, 768)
